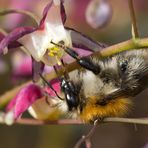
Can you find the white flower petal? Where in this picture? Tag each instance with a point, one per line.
(38, 42)
(48, 60)
(55, 25)
(57, 2)
(9, 118)
(42, 110)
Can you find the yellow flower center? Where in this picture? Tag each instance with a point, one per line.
(56, 52)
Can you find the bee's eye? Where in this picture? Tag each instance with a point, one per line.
(123, 66)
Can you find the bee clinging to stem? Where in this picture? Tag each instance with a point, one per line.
(103, 87)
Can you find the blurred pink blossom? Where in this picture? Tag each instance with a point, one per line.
(25, 97)
(98, 13)
(18, 18)
(22, 64)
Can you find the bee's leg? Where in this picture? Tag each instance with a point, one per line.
(69, 89)
(70, 92)
(83, 61)
(50, 86)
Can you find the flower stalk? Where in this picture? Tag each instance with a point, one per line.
(29, 121)
(24, 12)
(135, 33)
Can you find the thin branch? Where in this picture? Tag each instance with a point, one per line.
(25, 121)
(30, 121)
(88, 136)
(135, 33)
(88, 143)
(25, 12)
(127, 120)
(85, 138)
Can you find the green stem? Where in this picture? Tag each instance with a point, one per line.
(123, 46)
(3, 31)
(135, 33)
(127, 120)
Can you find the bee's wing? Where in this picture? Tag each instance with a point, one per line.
(115, 95)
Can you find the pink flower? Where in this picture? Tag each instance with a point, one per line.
(37, 41)
(25, 97)
(17, 19)
(21, 65)
(28, 95)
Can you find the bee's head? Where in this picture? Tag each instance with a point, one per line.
(109, 93)
(101, 93)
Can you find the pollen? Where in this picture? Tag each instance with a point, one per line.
(56, 52)
(115, 108)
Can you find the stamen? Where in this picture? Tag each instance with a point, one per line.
(58, 60)
(56, 52)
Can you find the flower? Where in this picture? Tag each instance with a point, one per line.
(51, 28)
(37, 41)
(17, 19)
(28, 95)
(25, 97)
(21, 66)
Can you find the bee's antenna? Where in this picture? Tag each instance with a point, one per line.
(83, 61)
(50, 86)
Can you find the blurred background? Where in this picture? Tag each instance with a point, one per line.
(115, 29)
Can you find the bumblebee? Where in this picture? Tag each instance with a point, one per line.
(103, 87)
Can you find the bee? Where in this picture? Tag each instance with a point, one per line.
(103, 87)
